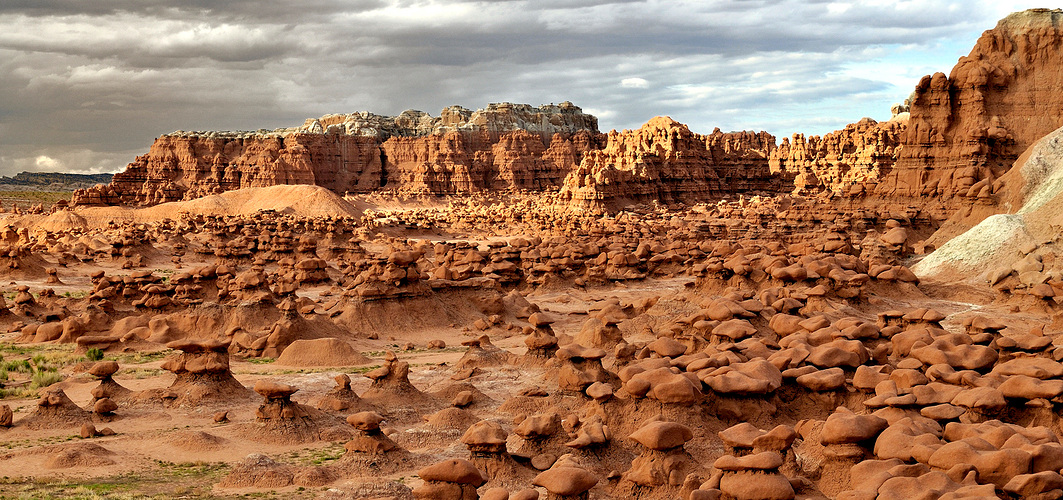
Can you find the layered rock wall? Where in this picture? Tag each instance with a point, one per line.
(664, 161)
(968, 128)
(502, 147)
(505, 146)
(847, 162)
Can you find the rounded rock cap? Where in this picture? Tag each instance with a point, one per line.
(566, 480)
(662, 435)
(454, 470)
(485, 433)
(104, 368)
(365, 421)
(273, 390)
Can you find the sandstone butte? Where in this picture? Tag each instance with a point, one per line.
(951, 141)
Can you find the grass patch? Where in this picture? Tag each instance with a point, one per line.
(199, 469)
(317, 456)
(169, 480)
(30, 369)
(398, 351)
(45, 379)
(143, 373)
(143, 357)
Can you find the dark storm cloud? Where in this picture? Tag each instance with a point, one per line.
(87, 85)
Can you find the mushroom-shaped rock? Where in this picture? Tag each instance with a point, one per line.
(660, 435)
(1031, 485)
(541, 319)
(599, 391)
(667, 347)
(104, 406)
(754, 476)
(450, 479)
(734, 330)
(368, 437)
(846, 427)
(980, 399)
(590, 434)
(485, 437)
(202, 370)
(365, 421)
(740, 436)
(273, 390)
(665, 384)
(765, 460)
(823, 380)
(565, 481)
(745, 437)
(752, 377)
(454, 470)
(104, 369)
(539, 426)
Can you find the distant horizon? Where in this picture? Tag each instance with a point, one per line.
(87, 87)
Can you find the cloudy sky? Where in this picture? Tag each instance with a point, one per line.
(87, 85)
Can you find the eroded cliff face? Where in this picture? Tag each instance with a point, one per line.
(183, 167)
(504, 146)
(664, 161)
(463, 162)
(967, 129)
(955, 136)
(847, 162)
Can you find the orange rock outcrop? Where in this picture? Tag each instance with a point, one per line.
(664, 161)
(505, 146)
(848, 161)
(961, 132)
(967, 129)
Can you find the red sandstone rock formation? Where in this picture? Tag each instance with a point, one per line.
(964, 130)
(847, 161)
(503, 146)
(967, 129)
(665, 161)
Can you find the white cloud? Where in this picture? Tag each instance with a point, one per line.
(91, 84)
(47, 163)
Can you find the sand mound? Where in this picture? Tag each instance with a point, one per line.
(321, 352)
(63, 220)
(80, 455)
(198, 441)
(301, 200)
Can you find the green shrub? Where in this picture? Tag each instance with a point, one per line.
(94, 354)
(19, 365)
(45, 379)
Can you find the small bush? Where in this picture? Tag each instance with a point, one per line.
(45, 379)
(20, 365)
(94, 354)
